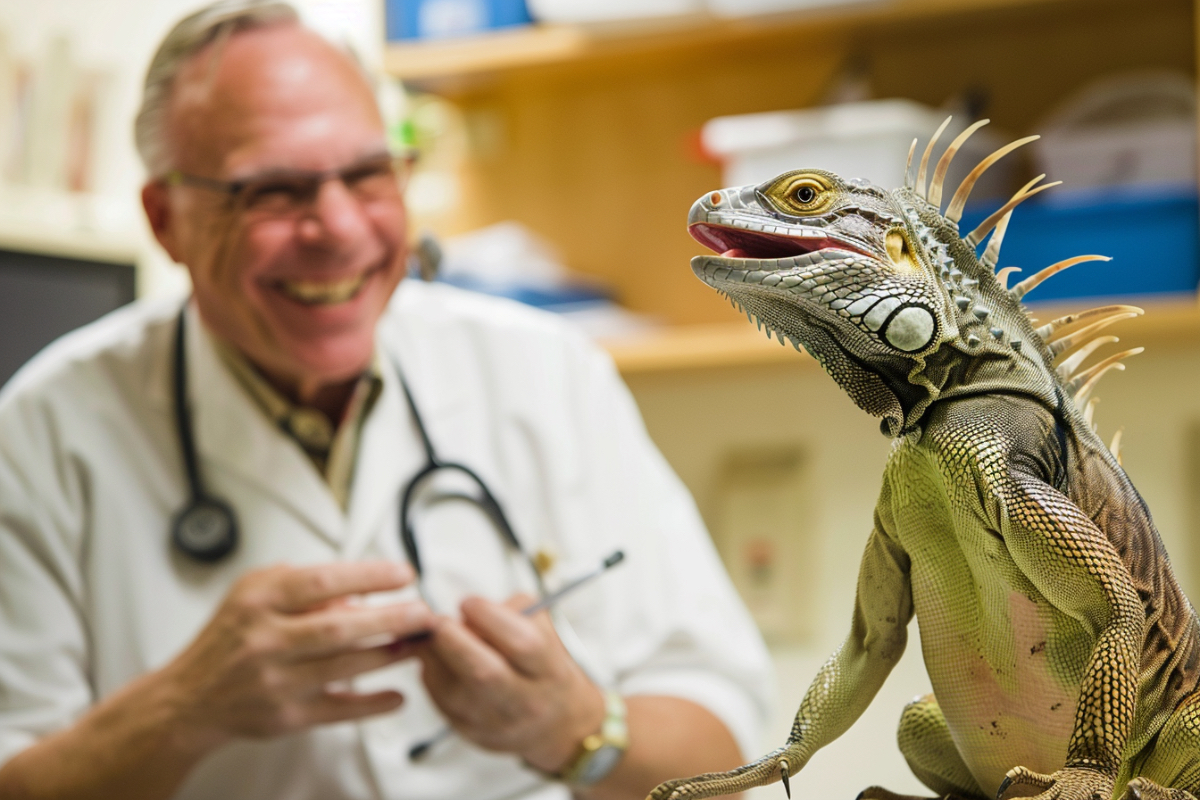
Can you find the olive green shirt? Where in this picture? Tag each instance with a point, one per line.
(331, 447)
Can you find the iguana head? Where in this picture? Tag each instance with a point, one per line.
(883, 290)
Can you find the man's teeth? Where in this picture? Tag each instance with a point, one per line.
(323, 292)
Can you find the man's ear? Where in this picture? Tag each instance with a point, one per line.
(156, 201)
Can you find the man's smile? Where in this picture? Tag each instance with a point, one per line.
(312, 291)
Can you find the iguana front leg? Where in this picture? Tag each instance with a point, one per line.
(844, 686)
(1071, 562)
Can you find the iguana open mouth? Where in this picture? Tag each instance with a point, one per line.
(734, 242)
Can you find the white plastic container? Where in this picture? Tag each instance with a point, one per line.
(609, 10)
(747, 8)
(855, 140)
(1137, 129)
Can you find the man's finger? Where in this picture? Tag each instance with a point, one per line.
(448, 693)
(337, 629)
(319, 672)
(523, 643)
(468, 657)
(343, 706)
(306, 587)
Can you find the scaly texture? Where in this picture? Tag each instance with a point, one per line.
(1063, 655)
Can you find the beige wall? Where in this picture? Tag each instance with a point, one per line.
(699, 419)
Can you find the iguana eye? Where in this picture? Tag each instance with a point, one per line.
(799, 193)
(806, 194)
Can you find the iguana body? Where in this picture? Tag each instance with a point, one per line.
(1064, 658)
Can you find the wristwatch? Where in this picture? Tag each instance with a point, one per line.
(599, 753)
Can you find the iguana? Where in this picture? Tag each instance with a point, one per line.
(1063, 655)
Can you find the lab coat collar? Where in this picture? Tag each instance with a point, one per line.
(232, 431)
(389, 453)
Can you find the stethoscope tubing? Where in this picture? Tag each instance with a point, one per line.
(487, 502)
(206, 528)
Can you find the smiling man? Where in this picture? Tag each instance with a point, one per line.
(205, 587)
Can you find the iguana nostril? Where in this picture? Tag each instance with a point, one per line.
(715, 198)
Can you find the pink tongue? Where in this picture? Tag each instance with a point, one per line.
(735, 253)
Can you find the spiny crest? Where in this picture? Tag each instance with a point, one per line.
(1065, 343)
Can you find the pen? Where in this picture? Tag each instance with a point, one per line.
(616, 558)
(421, 748)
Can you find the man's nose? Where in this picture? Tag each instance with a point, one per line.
(336, 215)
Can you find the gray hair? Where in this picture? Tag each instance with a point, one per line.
(190, 35)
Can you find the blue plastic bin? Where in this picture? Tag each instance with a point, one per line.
(1152, 235)
(441, 19)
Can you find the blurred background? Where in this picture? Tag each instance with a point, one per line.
(561, 144)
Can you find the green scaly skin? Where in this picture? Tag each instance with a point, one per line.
(1064, 658)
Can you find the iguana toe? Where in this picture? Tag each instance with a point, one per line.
(1020, 776)
(1146, 789)
(766, 770)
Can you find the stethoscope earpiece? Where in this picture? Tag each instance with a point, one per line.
(205, 530)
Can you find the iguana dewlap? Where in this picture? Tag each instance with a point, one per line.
(1064, 658)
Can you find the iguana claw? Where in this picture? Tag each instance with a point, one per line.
(783, 775)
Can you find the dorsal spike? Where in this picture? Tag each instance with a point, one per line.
(1084, 392)
(924, 170)
(943, 166)
(1066, 370)
(1002, 276)
(1115, 447)
(1089, 411)
(1033, 281)
(976, 236)
(992, 254)
(1064, 344)
(1086, 377)
(959, 201)
(908, 179)
(1051, 327)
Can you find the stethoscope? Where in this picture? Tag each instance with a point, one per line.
(206, 529)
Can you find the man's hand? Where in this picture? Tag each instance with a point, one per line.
(507, 683)
(264, 664)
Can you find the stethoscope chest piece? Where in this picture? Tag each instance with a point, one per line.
(206, 530)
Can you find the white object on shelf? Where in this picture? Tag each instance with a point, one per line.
(747, 8)
(609, 10)
(502, 254)
(56, 223)
(855, 140)
(1133, 129)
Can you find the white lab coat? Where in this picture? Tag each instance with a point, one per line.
(93, 595)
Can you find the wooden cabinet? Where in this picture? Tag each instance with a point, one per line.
(589, 135)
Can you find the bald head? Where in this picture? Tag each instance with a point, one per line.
(270, 83)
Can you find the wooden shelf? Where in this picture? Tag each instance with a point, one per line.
(1167, 323)
(689, 347)
(550, 44)
(81, 245)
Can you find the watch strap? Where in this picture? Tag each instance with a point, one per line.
(599, 752)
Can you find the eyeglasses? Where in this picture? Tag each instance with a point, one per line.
(282, 194)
